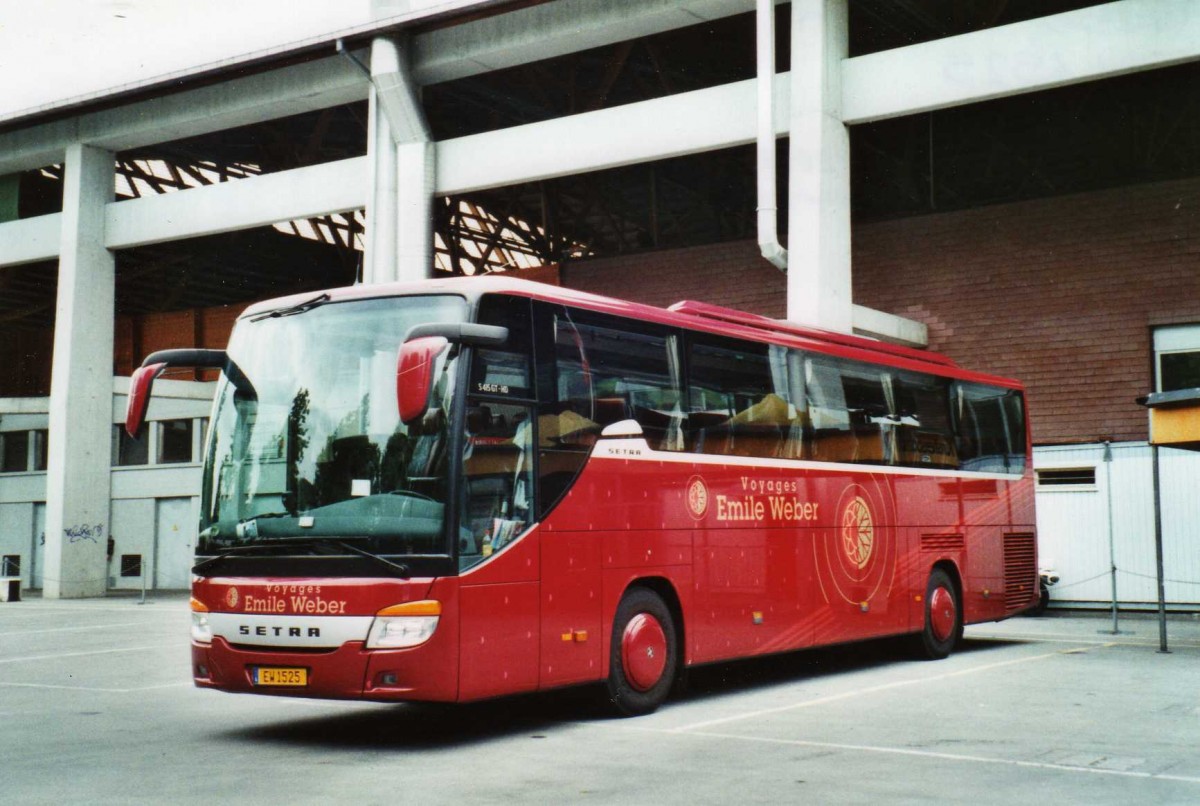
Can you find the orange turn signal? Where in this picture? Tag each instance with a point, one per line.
(425, 607)
(198, 606)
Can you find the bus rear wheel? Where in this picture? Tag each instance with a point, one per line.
(943, 617)
(644, 655)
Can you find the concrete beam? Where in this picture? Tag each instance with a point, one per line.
(238, 102)
(332, 187)
(29, 240)
(554, 29)
(1068, 48)
(889, 327)
(502, 40)
(686, 123)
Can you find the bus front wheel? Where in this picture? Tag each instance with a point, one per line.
(943, 617)
(644, 655)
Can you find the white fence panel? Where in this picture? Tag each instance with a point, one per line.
(1075, 523)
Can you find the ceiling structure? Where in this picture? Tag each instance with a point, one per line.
(1126, 130)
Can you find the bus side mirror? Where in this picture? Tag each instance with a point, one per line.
(139, 397)
(414, 375)
(154, 365)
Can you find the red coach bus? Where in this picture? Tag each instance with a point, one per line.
(468, 488)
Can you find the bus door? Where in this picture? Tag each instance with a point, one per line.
(497, 543)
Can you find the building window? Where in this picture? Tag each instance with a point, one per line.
(41, 448)
(14, 452)
(174, 442)
(128, 451)
(131, 565)
(1177, 357)
(10, 565)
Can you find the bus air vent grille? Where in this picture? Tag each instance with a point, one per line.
(942, 542)
(1020, 569)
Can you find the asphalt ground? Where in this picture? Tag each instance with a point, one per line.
(97, 706)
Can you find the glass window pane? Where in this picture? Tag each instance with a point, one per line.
(128, 451)
(14, 457)
(41, 448)
(991, 429)
(611, 371)
(175, 441)
(505, 370)
(1179, 371)
(738, 400)
(498, 479)
(924, 433)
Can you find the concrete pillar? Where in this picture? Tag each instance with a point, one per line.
(400, 219)
(818, 283)
(415, 166)
(81, 387)
(379, 258)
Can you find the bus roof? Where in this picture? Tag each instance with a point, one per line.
(687, 314)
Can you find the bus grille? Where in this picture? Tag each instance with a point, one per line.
(1020, 569)
(941, 542)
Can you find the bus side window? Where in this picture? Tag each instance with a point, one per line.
(505, 370)
(595, 370)
(611, 370)
(921, 410)
(832, 438)
(498, 479)
(991, 428)
(738, 398)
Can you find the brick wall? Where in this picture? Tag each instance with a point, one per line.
(27, 355)
(1061, 293)
(731, 274)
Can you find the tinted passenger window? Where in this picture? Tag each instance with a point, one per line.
(850, 407)
(505, 370)
(610, 371)
(598, 370)
(991, 428)
(925, 434)
(739, 403)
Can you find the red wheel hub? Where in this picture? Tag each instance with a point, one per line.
(942, 614)
(643, 651)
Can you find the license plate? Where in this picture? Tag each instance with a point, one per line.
(276, 676)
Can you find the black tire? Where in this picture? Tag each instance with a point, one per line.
(943, 625)
(643, 624)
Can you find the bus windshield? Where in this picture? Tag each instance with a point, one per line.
(306, 441)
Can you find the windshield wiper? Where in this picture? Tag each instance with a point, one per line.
(398, 569)
(294, 309)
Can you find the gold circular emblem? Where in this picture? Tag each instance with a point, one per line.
(858, 531)
(231, 597)
(697, 497)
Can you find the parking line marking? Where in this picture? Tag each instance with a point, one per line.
(1068, 639)
(85, 654)
(71, 629)
(100, 689)
(167, 608)
(859, 692)
(904, 751)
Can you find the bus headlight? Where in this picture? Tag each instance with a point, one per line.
(404, 625)
(201, 630)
